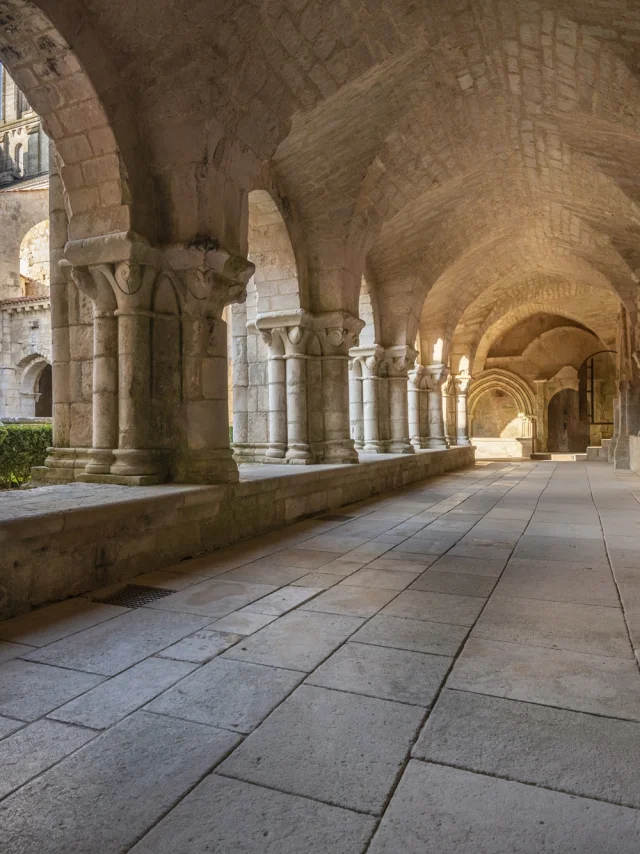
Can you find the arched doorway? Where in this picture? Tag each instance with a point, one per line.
(568, 431)
(43, 390)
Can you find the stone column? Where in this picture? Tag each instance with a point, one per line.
(462, 419)
(628, 420)
(240, 369)
(356, 411)
(542, 416)
(95, 283)
(399, 360)
(276, 379)
(337, 333)
(370, 360)
(436, 376)
(210, 279)
(416, 395)
(298, 450)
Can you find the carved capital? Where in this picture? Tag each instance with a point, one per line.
(208, 279)
(436, 376)
(337, 331)
(399, 360)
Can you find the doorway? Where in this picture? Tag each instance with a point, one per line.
(568, 432)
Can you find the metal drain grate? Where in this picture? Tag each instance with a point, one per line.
(135, 596)
(333, 517)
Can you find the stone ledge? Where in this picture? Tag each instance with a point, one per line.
(60, 541)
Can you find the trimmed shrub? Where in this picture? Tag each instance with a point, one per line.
(22, 446)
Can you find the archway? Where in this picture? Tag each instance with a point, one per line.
(568, 431)
(501, 414)
(43, 407)
(34, 260)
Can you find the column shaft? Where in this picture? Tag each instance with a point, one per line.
(298, 451)
(276, 370)
(356, 410)
(399, 416)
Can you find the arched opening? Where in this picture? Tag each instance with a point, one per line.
(568, 428)
(597, 391)
(43, 390)
(257, 396)
(34, 260)
(18, 160)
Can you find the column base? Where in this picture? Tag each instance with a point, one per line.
(622, 455)
(62, 465)
(463, 442)
(275, 453)
(373, 447)
(100, 461)
(122, 479)
(434, 443)
(210, 466)
(400, 446)
(340, 451)
(139, 462)
(299, 455)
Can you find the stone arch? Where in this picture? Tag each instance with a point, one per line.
(106, 180)
(34, 259)
(507, 382)
(275, 285)
(31, 368)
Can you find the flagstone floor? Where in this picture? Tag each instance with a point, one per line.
(446, 668)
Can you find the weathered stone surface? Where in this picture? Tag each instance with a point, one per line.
(115, 646)
(49, 624)
(242, 622)
(228, 815)
(29, 690)
(112, 700)
(469, 565)
(215, 598)
(569, 751)
(435, 607)
(283, 600)
(334, 747)
(108, 794)
(418, 635)
(376, 671)
(233, 695)
(602, 685)
(298, 641)
(350, 601)
(457, 583)
(35, 748)
(200, 647)
(380, 579)
(537, 579)
(437, 810)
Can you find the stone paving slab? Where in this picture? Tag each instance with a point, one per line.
(559, 582)
(602, 685)
(265, 574)
(105, 796)
(299, 641)
(38, 746)
(242, 622)
(233, 695)
(558, 625)
(573, 752)
(377, 671)
(9, 726)
(9, 651)
(586, 552)
(435, 607)
(29, 690)
(46, 625)
(417, 635)
(381, 579)
(339, 748)
(109, 702)
(469, 565)
(229, 816)
(200, 647)
(457, 583)
(214, 598)
(283, 600)
(350, 601)
(438, 810)
(114, 646)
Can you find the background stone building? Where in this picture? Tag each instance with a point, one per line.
(25, 316)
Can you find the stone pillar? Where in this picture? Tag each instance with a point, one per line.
(356, 411)
(628, 420)
(399, 360)
(298, 450)
(436, 376)
(337, 333)
(369, 361)
(462, 418)
(210, 280)
(276, 379)
(414, 397)
(616, 430)
(240, 373)
(542, 416)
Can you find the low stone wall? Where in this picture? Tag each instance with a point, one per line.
(507, 449)
(634, 454)
(60, 541)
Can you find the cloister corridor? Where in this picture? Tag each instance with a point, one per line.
(448, 667)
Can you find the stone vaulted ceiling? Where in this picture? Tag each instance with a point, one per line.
(471, 155)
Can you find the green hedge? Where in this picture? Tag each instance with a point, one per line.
(22, 446)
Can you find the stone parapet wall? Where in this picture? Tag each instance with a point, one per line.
(60, 541)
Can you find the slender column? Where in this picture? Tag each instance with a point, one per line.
(298, 450)
(399, 360)
(337, 332)
(240, 368)
(629, 421)
(371, 405)
(415, 394)
(276, 379)
(436, 377)
(542, 413)
(356, 411)
(462, 420)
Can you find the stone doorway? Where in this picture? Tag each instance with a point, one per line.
(568, 432)
(43, 407)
